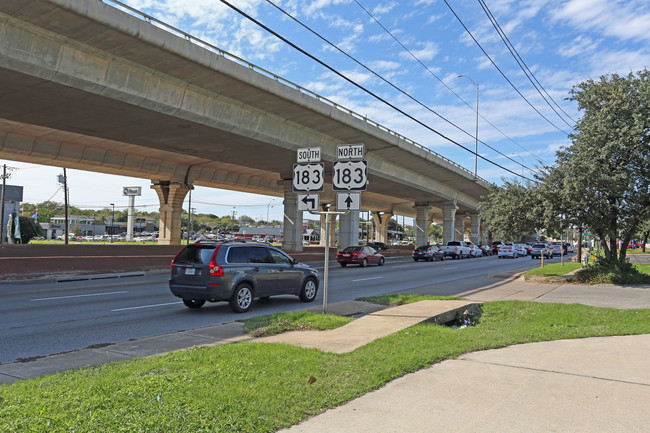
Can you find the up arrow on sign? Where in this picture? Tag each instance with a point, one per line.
(348, 201)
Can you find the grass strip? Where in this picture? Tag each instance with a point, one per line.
(273, 324)
(553, 270)
(254, 387)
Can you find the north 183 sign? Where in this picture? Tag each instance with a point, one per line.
(350, 176)
(308, 177)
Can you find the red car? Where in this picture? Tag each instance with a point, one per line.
(359, 255)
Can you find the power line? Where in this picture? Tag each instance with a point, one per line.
(445, 84)
(500, 71)
(388, 82)
(283, 39)
(524, 67)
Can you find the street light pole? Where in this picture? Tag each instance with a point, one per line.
(476, 135)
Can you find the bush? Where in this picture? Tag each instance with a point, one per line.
(611, 271)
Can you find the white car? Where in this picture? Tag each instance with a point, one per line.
(475, 251)
(507, 250)
(521, 249)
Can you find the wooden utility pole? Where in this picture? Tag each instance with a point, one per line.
(65, 199)
(2, 200)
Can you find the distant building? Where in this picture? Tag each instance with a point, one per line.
(81, 224)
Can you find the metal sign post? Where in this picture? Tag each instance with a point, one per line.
(327, 251)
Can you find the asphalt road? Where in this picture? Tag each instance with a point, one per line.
(44, 318)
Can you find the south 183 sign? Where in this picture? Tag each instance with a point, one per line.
(308, 177)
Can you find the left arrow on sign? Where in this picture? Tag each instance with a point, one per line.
(307, 199)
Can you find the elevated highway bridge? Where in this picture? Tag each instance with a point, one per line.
(87, 85)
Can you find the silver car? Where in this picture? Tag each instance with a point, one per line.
(238, 272)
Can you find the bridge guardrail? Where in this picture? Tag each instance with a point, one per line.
(207, 45)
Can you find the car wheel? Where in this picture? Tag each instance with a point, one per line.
(415, 260)
(442, 258)
(381, 261)
(193, 303)
(343, 265)
(364, 263)
(242, 298)
(308, 291)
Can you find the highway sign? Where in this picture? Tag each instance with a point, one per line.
(348, 201)
(350, 176)
(308, 177)
(308, 202)
(308, 154)
(350, 152)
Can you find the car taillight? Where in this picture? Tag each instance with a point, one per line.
(173, 260)
(215, 271)
(355, 254)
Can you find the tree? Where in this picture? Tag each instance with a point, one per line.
(603, 179)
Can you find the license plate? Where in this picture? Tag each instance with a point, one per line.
(346, 255)
(190, 271)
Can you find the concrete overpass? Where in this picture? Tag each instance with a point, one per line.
(86, 85)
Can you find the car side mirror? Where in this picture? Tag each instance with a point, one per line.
(294, 261)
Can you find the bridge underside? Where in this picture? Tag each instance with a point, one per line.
(88, 87)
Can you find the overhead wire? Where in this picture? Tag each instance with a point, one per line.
(445, 84)
(524, 67)
(388, 82)
(501, 72)
(354, 83)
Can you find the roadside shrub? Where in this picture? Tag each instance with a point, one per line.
(613, 271)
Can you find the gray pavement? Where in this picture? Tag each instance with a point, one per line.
(584, 385)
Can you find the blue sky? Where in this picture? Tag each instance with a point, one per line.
(417, 48)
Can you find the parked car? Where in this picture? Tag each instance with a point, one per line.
(359, 255)
(507, 250)
(238, 272)
(558, 249)
(487, 250)
(521, 249)
(475, 251)
(496, 245)
(428, 253)
(456, 249)
(541, 250)
(378, 246)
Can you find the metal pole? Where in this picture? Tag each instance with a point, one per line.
(113, 222)
(65, 198)
(2, 204)
(327, 262)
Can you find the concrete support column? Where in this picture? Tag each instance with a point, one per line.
(292, 239)
(348, 229)
(332, 230)
(459, 227)
(422, 224)
(381, 225)
(171, 196)
(448, 221)
(475, 235)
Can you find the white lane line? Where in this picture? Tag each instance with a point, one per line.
(402, 266)
(145, 306)
(80, 296)
(450, 267)
(366, 279)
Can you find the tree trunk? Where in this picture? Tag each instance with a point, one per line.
(626, 241)
(579, 245)
(645, 240)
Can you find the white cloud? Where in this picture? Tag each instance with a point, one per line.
(428, 51)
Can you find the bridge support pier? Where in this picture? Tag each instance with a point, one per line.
(332, 230)
(381, 225)
(459, 227)
(422, 223)
(348, 229)
(171, 196)
(475, 235)
(292, 238)
(448, 221)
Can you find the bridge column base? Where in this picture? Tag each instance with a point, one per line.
(475, 235)
(349, 230)
(381, 225)
(292, 237)
(422, 224)
(448, 221)
(171, 196)
(459, 227)
(332, 234)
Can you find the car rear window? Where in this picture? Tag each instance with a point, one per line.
(199, 254)
(421, 248)
(539, 246)
(352, 249)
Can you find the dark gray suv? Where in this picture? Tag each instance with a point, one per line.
(238, 272)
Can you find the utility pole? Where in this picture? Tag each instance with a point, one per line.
(64, 180)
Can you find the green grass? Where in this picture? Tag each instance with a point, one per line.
(644, 268)
(553, 270)
(273, 324)
(254, 387)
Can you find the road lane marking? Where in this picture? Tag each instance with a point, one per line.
(366, 279)
(80, 296)
(145, 306)
(450, 267)
(402, 266)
